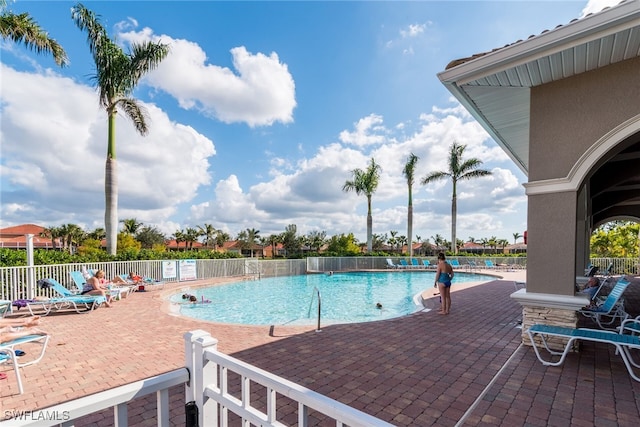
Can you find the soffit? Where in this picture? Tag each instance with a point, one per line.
(495, 86)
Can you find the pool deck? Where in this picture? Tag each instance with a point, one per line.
(467, 368)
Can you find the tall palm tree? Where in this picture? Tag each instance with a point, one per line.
(23, 29)
(409, 172)
(253, 236)
(117, 75)
(459, 170)
(365, 182)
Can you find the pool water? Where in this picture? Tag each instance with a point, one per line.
(345, 297)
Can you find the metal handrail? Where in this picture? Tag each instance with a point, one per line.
(316, 291)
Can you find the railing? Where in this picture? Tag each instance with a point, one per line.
(20, 282)
(316, 291)
(117, 398)
(226, 390)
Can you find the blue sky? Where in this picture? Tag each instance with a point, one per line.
(260, 113)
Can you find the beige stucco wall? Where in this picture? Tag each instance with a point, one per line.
(551, 243)
(568, 117)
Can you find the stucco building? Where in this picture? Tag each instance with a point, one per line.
(565, 106)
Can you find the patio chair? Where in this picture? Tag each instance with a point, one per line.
(65, 300)
(8, 353)
(454, 263)
(115, 291)
(5, 307)
(403, 264)
(415, 263)
(624, 343)
(427, 264)
(489, 264)
(390, 264)
(611, 310)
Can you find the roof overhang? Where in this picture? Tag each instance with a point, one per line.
(495, 86)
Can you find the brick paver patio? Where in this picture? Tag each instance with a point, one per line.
(467, 368)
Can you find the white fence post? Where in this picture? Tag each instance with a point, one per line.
(207, 373)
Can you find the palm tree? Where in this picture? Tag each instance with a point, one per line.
(365, 182)
(459, 170)
(516, 236)
(190, 236)
(53, 233)
(222, 238)
(23, 29)
(273, 240)
(209, 234)
(253, 236)
(178, 236)
(130, 226)
(409, 171)
(117, 75)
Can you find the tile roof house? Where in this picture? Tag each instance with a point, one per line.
(15, 237)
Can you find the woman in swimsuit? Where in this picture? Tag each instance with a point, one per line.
(444, 274)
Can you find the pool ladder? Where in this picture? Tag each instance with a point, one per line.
(316, 292)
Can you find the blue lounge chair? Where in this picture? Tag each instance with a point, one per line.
(415, 263)
(65, 300)
(624, 343)
(611, 310)
(489, 264)
(116, 292)
(8, 353)
(426, 263)
(403, 264)
(454, 263)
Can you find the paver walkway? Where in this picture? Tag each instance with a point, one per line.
(467, 368)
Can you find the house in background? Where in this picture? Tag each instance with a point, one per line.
(15, 237)
(565, 106)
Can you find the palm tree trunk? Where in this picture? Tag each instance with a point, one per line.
(410, 229)
(111, 189)
(454, 211)
(369, 226)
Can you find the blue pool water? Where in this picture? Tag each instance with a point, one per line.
(346, 298)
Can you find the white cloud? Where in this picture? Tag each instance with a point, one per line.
(260, 92)
(366, 132)
(412, 30)
(595, 6)
(54, 144)
(310, 194)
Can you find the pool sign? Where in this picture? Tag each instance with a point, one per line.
(187, 269)
(169, 270)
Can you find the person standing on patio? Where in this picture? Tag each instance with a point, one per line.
(444, 274)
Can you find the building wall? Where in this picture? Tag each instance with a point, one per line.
(567, 118)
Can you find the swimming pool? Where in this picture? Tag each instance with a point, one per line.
(292, 300)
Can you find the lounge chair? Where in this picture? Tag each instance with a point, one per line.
(115, 291)
(454, 263)
(403, 264)
(489, 264)
(612, 309)
(8, 353)
(390, 264)
(427, 264)
(415, 263)
(5, 307)
(624, 343)
(65, 300)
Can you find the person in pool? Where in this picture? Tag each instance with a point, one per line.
(444, 274)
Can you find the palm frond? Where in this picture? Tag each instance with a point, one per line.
(23, 29)
(136, 113)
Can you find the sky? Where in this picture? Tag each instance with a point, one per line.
(260, 113)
